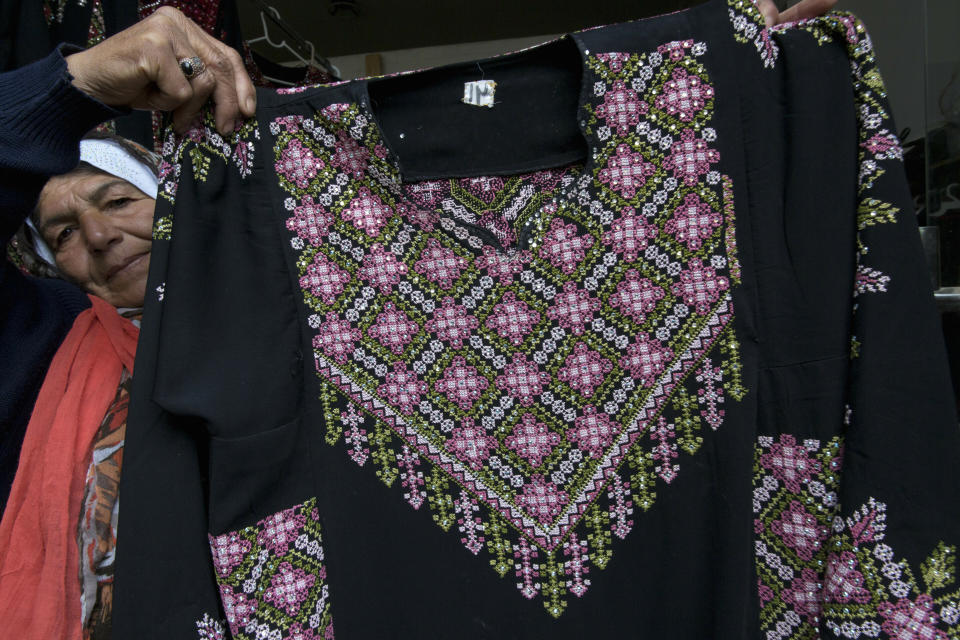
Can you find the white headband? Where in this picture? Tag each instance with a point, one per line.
(108, 156)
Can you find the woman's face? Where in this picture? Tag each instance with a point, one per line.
(99, 229)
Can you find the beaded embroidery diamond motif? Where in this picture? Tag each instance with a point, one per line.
(272, 578)
(529, 398)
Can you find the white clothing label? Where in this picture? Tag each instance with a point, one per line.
(479, 93)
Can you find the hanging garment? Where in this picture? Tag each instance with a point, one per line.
(628, 334)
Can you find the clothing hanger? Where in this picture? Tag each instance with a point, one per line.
(301, 49)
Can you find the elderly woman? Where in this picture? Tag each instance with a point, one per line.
(91, 225)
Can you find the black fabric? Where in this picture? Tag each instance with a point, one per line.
(538, 96)
(834, 335)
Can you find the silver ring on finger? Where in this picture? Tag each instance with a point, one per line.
(191, 67)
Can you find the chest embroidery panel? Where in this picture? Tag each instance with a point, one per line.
(532, 400)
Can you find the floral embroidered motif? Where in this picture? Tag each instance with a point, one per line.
(532, 440)
(693, 221)
(272, 578)
(451, 323)
(818, 568)
(532, 395)
(298, 165)
(461, 384)
(621, 108)
(626, 172)
(690, 158)
(512, 318)
(393, 329)
(200, 145)
(325, 279)
(523, 379)
(440, 264)
(367, 212)
(684, 95)
(573, 308)
(564, 247)
(636, 296)
(629, 235)
(584, 369)
(310, 221)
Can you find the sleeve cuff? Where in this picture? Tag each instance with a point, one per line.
(42, 111)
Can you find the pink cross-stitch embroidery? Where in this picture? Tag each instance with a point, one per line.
(542, 499)
(790, 463)
(452, 323)
(700, 286)
(636, 296)
(842, 581)
(799, 530)
(621, 108)
(393, 329)
(646, 359)
(626, 171)
(912, 619)
(367, 212)
(471, 443)
(382, 269)
(324, 279)
(532, 440)
(523, 379)
(629, 235)
(298, 164)
(228, 550)
(573, 308)
(440, 264)
(593, 431)
(403, 388)
(684, 95)
(310, 221)
(350, 157)
(690, 158)
(512, 318)
(336, 338)
(289, 588)
(564, 247)
(461, 383)
(584, 369)
(693, 222)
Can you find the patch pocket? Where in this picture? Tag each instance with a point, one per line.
(254, 475)
(805, 399)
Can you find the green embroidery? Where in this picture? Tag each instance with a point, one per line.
(939, 570)
(872, 212)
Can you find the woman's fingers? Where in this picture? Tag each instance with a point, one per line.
(140, 68)
(769, 11)
(806, 9)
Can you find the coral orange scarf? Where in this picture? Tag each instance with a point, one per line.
(39, 559)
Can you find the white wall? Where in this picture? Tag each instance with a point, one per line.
(423, 57)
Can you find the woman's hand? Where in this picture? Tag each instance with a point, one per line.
(140, 68)
(801, 11)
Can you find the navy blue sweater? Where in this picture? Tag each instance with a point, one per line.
(42, 118)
